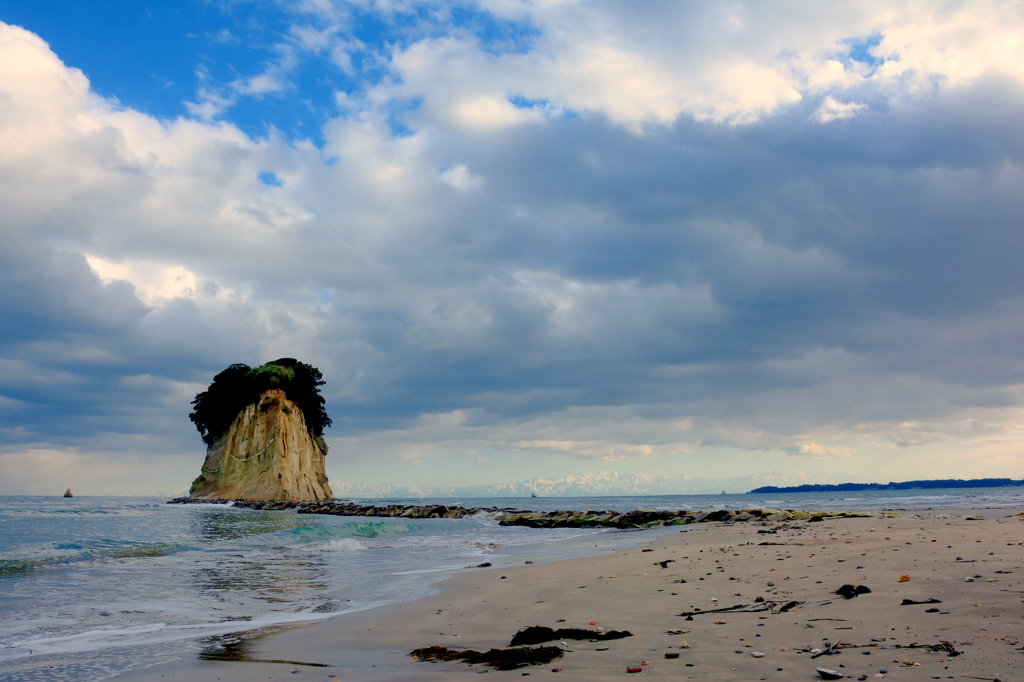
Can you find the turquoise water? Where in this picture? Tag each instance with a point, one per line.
(91, 586)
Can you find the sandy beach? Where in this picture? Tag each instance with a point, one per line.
(971, 562)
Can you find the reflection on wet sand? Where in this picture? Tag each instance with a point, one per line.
(238, 647)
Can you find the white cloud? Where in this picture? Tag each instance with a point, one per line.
(488, 113)
(460, 178)
(155, 283)
(258, 85)
(831, 110)
(817, 451)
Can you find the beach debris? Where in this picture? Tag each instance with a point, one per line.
(538, 634)
(765, 605)
(646, 550)
(500, 659)
(968, 579)
(664, 564)
(757, 654)
(486, 564)
(684, 644)
(851, 591)
(671, 654)
(556, 670)
(904, 578)
(634, 669)
(601, 648)
(827, 674)
(529, 562)
(911, 602)
(677, 631)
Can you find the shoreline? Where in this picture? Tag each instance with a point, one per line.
(726, 564)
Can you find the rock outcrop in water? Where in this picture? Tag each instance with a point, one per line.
(638, 518)
(266, 454)
(263, 429)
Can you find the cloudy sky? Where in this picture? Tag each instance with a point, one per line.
(520, 238)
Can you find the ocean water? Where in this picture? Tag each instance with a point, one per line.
(91, 586)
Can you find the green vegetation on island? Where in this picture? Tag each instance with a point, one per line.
(239, 386)
(904, 485)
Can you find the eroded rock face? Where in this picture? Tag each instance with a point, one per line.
(266, 454)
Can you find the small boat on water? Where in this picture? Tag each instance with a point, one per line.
(533, 494)
(723, 492)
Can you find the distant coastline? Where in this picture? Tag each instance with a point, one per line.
(904, 485)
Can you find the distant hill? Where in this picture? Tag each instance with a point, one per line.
(904, 485)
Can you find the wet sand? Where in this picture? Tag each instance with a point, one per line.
(723, 565)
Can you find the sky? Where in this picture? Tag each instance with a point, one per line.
(761, 241)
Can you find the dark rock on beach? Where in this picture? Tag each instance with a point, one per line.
(851, 591)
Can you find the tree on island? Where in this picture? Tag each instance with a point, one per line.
(239, 386)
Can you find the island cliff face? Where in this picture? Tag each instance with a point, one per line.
(266, 454)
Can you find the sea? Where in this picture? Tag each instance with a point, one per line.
(93, 586)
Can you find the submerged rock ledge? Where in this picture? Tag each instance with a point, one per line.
(509, 516)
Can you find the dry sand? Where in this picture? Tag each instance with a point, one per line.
(722, 565)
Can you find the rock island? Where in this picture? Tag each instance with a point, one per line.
(263, 428)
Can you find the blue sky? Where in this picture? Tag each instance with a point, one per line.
(155, 57)
(770, 242)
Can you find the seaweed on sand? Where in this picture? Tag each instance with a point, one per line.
(501, 659)
(537, 634)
